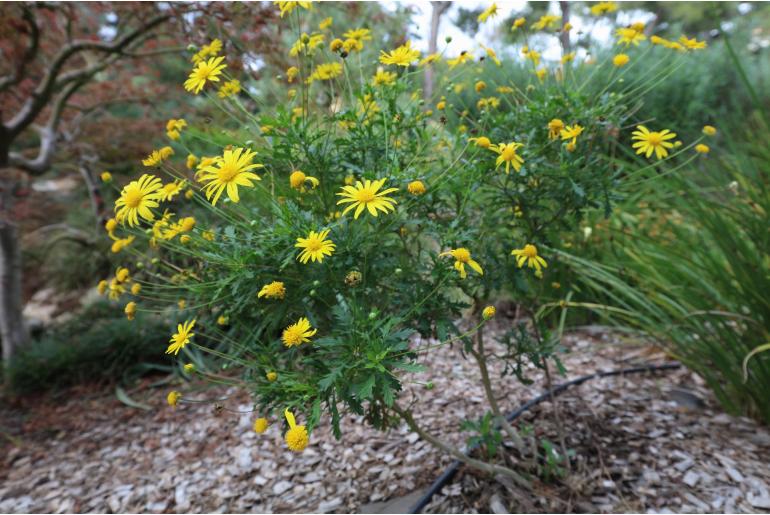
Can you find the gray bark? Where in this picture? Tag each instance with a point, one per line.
(564, 35)
(13, 331)
(439, 8)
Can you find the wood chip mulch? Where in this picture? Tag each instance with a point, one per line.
(644, 443)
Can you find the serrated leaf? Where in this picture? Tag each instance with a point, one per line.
(364, 390)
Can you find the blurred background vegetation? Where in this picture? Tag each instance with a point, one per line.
(687, 257)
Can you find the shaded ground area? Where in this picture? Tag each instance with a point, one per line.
(638, 448)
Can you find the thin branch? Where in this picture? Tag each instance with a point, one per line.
(457, 453)
(48, 85)
(47, 135)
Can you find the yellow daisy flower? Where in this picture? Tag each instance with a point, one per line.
(130, 310)
(352, 45)
(137, 199)
(528, 255)
(508, 156)
(416, 188)
(463, 257)
(489, 12)
(546, 21)
(366, 195)
(288, 7)
(481, 141)
(297, 180)
(229, 88)
(326, 71)
(315, 247)
(463, 58)
(620, 60)
(429, 59)
(326, 23)
(296, 437)
(231, 170)
(359, 34)
(603, 8)
(170, 190)
(401, 56)
(298, 333)
(554, 128)
(692, 44)
(204, 71)
(181, 337)
(648, 142)
(158, 156)
(630, 35)
(273, 290)
(383, 78)
(571, 132)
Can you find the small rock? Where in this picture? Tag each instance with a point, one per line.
(684, 465)
(496, 505)
(734, 474)
(311, 477)
(281, 487)
(691, 478)
(331, 505)
(180, 497)
(762, 502)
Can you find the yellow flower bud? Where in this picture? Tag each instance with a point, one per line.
(260, 425)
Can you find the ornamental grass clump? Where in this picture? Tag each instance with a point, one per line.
(331, 228)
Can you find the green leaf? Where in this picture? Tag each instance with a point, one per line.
(364, 390)
(329, 379)
(123, 397)
(409, 367)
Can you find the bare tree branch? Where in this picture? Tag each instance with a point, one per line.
(48, 85)
(47, 134)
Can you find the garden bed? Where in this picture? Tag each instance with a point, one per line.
(638, 444)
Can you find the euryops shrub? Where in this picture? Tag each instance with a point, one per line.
(312, 239)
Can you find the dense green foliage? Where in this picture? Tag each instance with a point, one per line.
(96, 346)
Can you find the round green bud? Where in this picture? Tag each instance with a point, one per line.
(429, 385)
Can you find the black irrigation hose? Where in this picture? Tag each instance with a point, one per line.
(450, 472)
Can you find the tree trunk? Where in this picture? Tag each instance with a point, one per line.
(564, 36)
(439, 8)
(13, 332)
